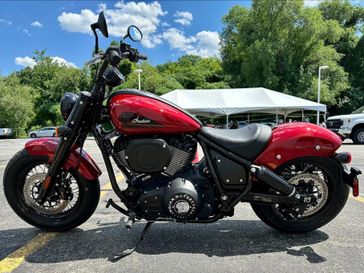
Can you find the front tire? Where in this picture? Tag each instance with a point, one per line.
(358, 136)
(58, 214)
(337, 196)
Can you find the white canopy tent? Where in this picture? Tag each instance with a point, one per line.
(226, 102)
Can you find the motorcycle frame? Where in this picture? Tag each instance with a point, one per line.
(86, 117)
(227, 203)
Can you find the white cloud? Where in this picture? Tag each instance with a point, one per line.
(144, 15)
(165, 24)
(204, 43)
(24, 30)
(101, 7)
(312, 3)
(74, 22)
(25, 61)
(36, 24)
(61, 61)
(30, 62)
(5, 22)
(183, 17)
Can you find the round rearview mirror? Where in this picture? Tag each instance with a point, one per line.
(134, 33)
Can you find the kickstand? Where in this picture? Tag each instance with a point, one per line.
(129, 251)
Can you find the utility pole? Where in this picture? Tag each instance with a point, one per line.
(319, 91)
(139, 71)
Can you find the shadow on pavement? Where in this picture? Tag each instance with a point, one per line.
(224, 238)
(12, 239)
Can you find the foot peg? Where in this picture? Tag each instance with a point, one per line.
(129, 251)
(131, 220)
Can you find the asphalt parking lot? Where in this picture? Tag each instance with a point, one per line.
(238, 244)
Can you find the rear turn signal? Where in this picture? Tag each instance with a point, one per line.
(355, 187)
(344, 157)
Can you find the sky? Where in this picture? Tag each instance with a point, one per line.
(171, 29)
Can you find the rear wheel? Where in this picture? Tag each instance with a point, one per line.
(315, 177)
(71, 203)
(33, 135)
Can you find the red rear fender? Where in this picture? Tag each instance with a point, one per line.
(47, 146)
(298, 139)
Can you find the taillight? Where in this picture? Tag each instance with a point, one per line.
(355, 187)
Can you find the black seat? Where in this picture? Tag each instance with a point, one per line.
(248, 142)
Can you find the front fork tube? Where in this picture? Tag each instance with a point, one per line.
(65, 143)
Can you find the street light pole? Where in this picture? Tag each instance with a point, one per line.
(319, 90)
(139, 71)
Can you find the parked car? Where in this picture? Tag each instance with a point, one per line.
(44, 132)
(6, 132)
(348, 126)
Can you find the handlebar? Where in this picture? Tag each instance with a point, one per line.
(112, 56)
(142, 57)
(115, 54)
(133, 55)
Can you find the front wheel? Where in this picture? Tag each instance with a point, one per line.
(71, 203)
(358, 136)
(319, 177)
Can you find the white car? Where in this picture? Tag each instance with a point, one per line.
(44, 132)
(348, 126)
(6, 132)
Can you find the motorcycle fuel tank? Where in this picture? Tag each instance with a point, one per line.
(134, 112)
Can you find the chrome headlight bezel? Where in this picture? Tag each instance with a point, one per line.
(346, 123)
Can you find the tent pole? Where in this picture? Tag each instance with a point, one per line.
(303, 116)
(248, 118)
(227, 121)
(276, 117)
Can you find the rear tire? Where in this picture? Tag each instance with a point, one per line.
(15, 176)
(358, 136)
(337, 197)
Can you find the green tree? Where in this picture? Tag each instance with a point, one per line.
(350, 45)
(151, 80)
(16, 104)
(280, 44)
(194, 72)
(49, 81)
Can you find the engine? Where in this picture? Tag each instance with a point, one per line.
(165, 185)
(155, 155)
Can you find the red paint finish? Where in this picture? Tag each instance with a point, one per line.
(47, 147)
(130, 114)
(298, 139)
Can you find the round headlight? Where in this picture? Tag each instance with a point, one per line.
(67, 102)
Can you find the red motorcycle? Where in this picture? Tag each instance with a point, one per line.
(292, 175)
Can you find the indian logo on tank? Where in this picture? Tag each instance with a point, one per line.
(132, 120)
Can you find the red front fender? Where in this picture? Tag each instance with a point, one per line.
(47, 146)
(298, 139)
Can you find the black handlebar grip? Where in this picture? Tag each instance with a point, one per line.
(113, 57)
(142, 57)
